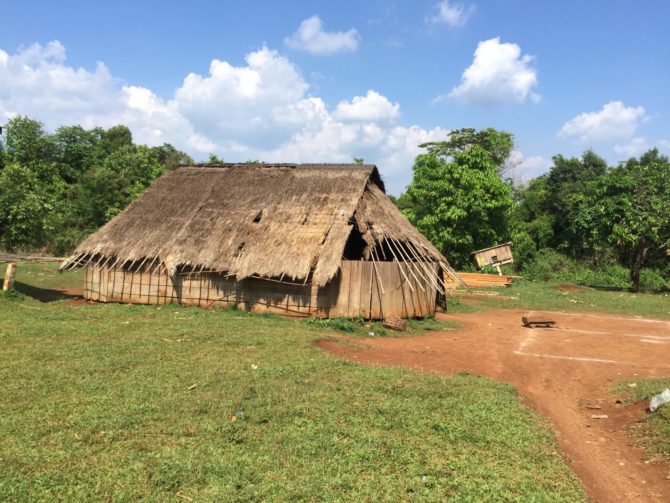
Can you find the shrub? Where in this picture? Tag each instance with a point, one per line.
(549, 264)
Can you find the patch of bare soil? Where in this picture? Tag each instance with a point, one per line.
(564, 373)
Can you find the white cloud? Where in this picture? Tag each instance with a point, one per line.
(633, 148)
(452, 13)
(498, 74)
(614, 122)
(312, 38)
(259, 110)
(663, 145)
(371, 107)
(522, 169)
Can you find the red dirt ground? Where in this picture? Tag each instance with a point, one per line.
(564, 373)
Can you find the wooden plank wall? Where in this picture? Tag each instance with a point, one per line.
(360, 289)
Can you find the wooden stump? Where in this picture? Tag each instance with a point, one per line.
(10, 274)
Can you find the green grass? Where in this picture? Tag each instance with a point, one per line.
(654, 431)
(547, 297)
(97, 404)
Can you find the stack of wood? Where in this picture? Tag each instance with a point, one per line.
(479, 280)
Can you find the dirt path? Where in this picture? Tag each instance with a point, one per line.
(563, 373)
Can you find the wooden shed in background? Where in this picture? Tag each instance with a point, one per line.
(301, 240)
(493, 256)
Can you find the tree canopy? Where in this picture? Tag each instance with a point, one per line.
(57, 188)
(457, 197)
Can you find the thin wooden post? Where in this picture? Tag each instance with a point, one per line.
(10, 274)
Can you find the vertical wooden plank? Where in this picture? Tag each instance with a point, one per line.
(366, 289)
(393, 306)
(354, 289)
(376, 294)
(341, 307)
(420, 294)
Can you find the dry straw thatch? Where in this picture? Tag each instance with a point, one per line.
(257, 220)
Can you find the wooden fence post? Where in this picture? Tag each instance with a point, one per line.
(10, 274)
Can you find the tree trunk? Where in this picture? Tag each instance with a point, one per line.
(637, 261)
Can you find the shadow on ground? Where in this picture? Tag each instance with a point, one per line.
(45, 294)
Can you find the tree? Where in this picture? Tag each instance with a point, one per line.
(566, 184)
(457, 197)
(27, 203)
(628, 208)
(170, 157)
(498, 144)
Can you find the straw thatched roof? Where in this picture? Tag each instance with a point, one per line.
(278, 220)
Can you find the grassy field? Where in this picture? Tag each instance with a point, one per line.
(549, 297)
(125, 403)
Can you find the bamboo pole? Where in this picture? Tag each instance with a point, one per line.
(409, 261)
(418, 282)
(431, 274)
(374, 266)
(421, 268)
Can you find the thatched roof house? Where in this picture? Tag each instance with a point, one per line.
(265, 236)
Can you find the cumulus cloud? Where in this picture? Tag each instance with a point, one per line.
(259, 110)
(633, 148)
(499, 73)
(522, 169)
(452, 13)
(371, 107)
(613, 122)
(311, 37)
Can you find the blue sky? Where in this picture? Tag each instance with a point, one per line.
(327, 81)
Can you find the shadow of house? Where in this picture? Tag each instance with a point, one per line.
(44, 294)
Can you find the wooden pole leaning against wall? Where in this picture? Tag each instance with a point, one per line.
(374, 266)
(403, 272)
(10, 275)
(409, 263)
(422, 263)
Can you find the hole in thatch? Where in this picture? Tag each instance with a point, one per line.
(240, 249)
(258, 216)
(355, 246)
(304, 220)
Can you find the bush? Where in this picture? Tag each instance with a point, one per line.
(651, 279)
(550, 265)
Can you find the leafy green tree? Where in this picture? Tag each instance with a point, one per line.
(566, 185)
(115, 138)
(213, 159)
(170, 157)
(27, 204)
(628, 209)
(28, 145)
(498, 144)
(77, 150)
(457, 197)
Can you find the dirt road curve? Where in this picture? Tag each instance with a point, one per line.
(564, 373)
